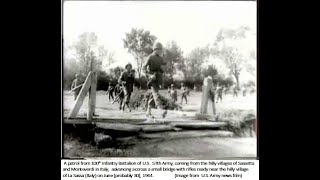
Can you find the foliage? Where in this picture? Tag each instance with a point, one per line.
(139, 43)
(86, 48)
(226, 47)
(173, 57)
(194, 63)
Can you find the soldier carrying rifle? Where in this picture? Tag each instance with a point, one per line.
(154, 68)
(76, 84)
(173, 94)
(219, 92)
(184, 93)
(126, 80)
(110, 91)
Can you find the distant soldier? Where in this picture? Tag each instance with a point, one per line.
(110, 91)
(226, 88)
(252, 91)
(188, 91)
(219, 92)
(195, 88)
(244, 92)
(126, 79)
(75, 84)
(235, 91)
(154, 68)
(173, 94)
(184, 93)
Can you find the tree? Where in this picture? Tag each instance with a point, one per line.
(116, 72)
(210, 71)
(70, 69)
(226, 47)
(229, 81)
(139, 43)
(218, 78)
(173, 57)
(251, 83)
(86, 52)
(194, 63)
(105, 55)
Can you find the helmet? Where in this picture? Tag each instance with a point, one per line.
(157, 45)
(171, 85)
(182, 84)
(129, 64)
(77, 75)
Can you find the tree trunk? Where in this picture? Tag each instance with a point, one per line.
(172, 72)
(140, 68)
(237, 79)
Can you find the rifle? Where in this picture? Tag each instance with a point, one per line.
(117, 97)
(75, 88)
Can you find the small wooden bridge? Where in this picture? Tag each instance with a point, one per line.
(175, 125)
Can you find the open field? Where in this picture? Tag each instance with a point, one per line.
(105, 108)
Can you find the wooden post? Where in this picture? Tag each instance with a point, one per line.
(204, 100)
(207, 88)
(92, 96)
(79, 101)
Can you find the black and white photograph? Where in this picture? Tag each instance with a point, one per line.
(174, 79)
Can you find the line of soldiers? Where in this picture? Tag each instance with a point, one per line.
(123, 89)
(154, 69)
(174, 94)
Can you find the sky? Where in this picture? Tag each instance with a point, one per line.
(189, 23)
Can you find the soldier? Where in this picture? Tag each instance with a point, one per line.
(220, 90)
(154, 68)
(226, 88)
(75, 83)
(252, 91)
(117, 89)
(195, 88)
(244, 92)
(110, 91)
(184, 93)
(173, 94)
(126, 79)
(235, 91)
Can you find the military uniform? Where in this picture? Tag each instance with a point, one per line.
(173, 94)
(110, 92)
(154, 71)
(76, 83)
(117, 89)
(235, 92)
(244, 92)
(127, 80)
(220, 90)
(184, 94)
